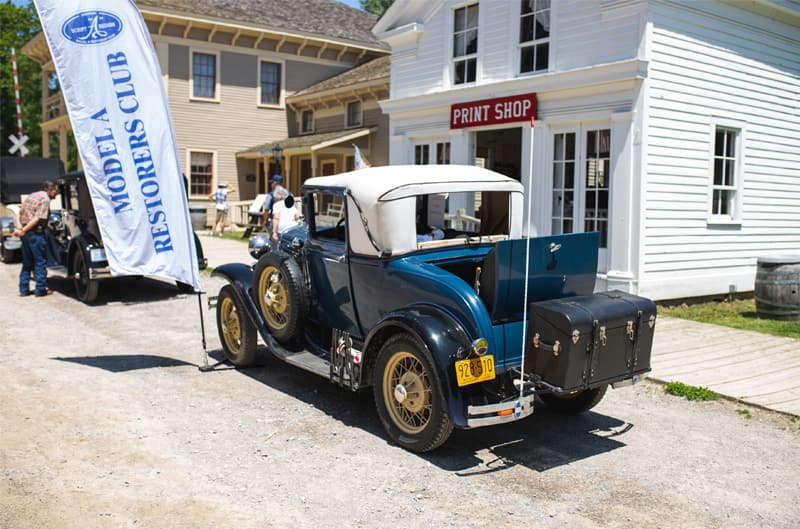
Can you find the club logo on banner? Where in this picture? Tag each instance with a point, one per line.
(92, 27)
(114, 93)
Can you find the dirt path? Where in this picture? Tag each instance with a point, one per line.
(106, 422)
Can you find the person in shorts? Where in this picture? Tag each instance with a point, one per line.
(220, 196)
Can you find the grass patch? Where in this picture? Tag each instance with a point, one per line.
(739, 314)
(235, 236)
(745, 413)
(690, 392)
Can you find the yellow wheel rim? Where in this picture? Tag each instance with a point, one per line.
(407, 392)
(231, 325)
(273, 297)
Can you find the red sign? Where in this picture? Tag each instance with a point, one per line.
(493, 111)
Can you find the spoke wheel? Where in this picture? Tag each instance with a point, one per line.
(281, 296)
(273, 297)
(408, 396)
(236, 332)
(407, 392)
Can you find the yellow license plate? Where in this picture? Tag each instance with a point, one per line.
(475, 370)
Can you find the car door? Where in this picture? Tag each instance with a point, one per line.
(329, 263)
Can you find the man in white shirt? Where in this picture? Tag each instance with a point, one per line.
(285, 214)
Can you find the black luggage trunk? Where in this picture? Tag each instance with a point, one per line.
(587, 341)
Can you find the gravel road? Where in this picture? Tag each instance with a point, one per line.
(106, 422)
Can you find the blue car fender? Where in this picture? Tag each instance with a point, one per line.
(442, 335)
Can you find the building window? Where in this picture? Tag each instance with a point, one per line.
(598, 165)
(443, 153)
(465, 44)
(422, 154)
(307, 121)
(564, 183)
(201, 173)
(534, 35)
(270, 83)
(725, 182)
(354, 114)
(204, 75)
(581, 185)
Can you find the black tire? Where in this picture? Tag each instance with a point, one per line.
(237, 333)
(9, 256)
(86, 289)
(574, 403)
(282, 300)
(408, 395)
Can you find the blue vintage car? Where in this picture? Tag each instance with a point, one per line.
(417, 281)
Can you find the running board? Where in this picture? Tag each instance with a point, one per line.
(305, 360)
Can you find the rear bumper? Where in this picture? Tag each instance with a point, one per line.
(500, 413)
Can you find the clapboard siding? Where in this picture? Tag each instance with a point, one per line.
(583, 34)
(712, 63)
(586, 33)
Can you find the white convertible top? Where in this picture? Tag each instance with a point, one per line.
(386, 196)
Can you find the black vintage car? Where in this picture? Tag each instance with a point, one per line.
(75, 246)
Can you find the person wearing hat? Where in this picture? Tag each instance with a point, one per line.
(275, 183)
(220, 196)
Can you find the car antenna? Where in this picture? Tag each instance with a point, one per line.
(527, 274)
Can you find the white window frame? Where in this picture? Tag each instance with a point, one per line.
(536, 42)
(217, 68)
(579, 186)
(424, 148)
(310, 130)
(736, 202)
(347, 123)
(467, 57)
(431, 148)
(214, 171)
(282, 65)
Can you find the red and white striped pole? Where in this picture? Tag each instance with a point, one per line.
(16, 91)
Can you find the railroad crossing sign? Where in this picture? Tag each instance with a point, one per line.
(18, 144)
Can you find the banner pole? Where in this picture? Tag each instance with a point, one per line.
(205, 366)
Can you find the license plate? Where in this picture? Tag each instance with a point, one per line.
(475, 370)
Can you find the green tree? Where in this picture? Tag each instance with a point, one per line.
(18, 24)
(376, 7)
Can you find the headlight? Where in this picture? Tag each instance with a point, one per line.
(258, 246)
(97, 254)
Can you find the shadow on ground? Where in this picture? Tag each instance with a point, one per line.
(128, 290)
(543, 441)
(122, 363)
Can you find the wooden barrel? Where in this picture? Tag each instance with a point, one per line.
(777, 288)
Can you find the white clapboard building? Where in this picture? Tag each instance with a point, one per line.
(671, 126)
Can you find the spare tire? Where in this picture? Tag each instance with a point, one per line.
(282, 299)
